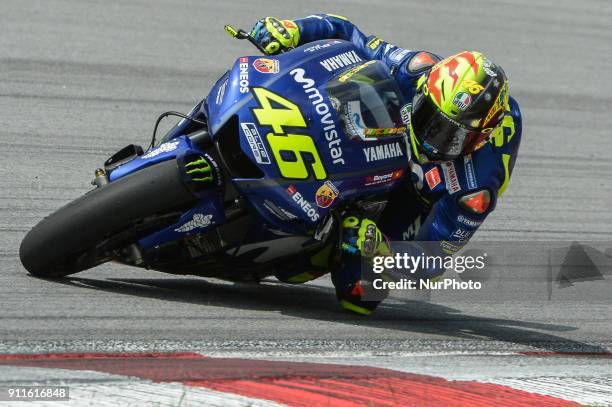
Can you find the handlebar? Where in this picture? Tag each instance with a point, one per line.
(240, 34)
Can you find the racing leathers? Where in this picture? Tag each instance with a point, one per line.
(443, 202)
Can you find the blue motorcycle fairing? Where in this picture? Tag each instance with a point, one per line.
(289, 205)
(159, 153)
(300, 76)
(237, 91)
(165, 151)
(207, 214)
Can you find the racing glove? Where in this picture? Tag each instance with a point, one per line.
(276, 35)
(362, 240)
(363, 237)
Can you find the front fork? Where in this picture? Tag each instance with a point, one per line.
(198, 170)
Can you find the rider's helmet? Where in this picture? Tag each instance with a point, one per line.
(456, 107)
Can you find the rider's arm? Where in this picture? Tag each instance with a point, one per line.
(328, 26)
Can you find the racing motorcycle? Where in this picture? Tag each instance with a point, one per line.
(257, 174)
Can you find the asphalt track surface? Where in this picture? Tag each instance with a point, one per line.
(81, 79)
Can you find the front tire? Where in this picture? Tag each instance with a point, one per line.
(55, 247)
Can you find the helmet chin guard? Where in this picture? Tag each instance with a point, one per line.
(457, 105)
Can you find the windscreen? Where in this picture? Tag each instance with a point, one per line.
(367, 100)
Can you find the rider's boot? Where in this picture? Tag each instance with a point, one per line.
(353, 275)
(306, 268)
(354, 293)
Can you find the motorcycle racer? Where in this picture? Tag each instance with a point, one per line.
(464, 132)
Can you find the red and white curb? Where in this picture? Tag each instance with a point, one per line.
(177, 379)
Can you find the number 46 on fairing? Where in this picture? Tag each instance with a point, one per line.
(281, 143)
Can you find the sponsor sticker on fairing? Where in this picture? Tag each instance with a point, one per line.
(450, 177)
(215, 167)
(221, 93)
(291, 190)
(266, 65)
(244, 75)
(306, 206)
(347, 75)
(277, 211)
(251, 134)
(433, 178)
(164, 148)
(199, 220)
(383, 178)
(383, 152)
(326, 194)
(318, 47)
(354, 120)
(340, 61)
(324, 112)
(373, 133)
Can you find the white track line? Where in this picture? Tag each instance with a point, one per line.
(589, 391)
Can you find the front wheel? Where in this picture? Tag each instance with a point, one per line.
(62, 243)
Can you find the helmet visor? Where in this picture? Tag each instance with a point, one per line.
(439, 136)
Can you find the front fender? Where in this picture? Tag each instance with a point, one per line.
(163, 152)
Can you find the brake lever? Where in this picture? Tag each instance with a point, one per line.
(240, 34)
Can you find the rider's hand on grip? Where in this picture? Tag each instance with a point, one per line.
(275, 35)
(362, 236)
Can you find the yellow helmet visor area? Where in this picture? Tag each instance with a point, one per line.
(438, 136)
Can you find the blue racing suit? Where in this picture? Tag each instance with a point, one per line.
(444, 202)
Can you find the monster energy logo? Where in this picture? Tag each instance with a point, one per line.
(199, 170)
